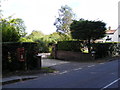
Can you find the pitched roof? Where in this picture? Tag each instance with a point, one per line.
(110, 31)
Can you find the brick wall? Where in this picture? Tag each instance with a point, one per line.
(73, 56)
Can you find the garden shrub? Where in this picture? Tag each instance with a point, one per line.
(43, 46)
(101, 49)
(106, 49)
(70, 46)
(10, 59)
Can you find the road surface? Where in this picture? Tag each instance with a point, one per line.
(93, 75)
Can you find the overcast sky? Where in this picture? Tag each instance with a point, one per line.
(40, 14)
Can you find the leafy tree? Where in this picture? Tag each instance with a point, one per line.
(64, 20)
(35, 35)
(87, 30)
(44, 41)
(12, 29)
(57, 36)
(23, 39)
(42, 45)
(61, 36)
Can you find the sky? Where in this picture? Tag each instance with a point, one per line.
(41, 14)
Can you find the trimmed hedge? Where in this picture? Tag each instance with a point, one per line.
(70, 46)
(101, 49)
(10, 59)
(106, 49)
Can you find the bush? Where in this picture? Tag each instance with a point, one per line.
(43, 46)
(106, 49)
(25, 40)
(10, 56)
(70, 46)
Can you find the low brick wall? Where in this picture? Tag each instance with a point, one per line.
(73, 56)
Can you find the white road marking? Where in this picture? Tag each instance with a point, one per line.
(91, 65)
(77, 69)
(111, 83)
(63, 72)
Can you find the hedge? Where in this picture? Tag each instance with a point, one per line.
(101, 49)
(106, 49)
(10, 59)
(70, 46)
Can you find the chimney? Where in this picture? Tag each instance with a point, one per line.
(109, 28)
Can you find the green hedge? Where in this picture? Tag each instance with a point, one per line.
(10, 57)
(101, 49)
(70, 46)
(106, 49)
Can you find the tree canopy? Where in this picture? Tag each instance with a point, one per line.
(87, 30)
(64, 19)
(56, 36)
(36, 34)
(12, 29)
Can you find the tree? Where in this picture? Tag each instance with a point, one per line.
(24, 39)
(64, 20)
(19, 25)
(35, 35)
(87, 30)
(12, 29)
(43, 46)
(56, 36)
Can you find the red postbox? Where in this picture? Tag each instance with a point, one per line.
(21, 54)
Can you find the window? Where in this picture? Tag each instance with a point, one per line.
(108, 38)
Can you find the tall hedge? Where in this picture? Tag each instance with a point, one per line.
(106, 49)
(70, 46)
(10, 59)
(101, 49)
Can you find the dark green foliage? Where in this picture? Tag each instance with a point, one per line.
(10, 59)
(70, 46)
(12, 29)
(101, 49)
(42, 45)
(106, 49)
(87, 30)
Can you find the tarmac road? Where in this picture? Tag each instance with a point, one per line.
(100, 76)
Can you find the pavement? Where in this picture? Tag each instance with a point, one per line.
(45, 63)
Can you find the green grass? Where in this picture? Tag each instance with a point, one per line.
(48, 69)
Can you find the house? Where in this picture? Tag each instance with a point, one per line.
(111, 36)
(119, 33)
